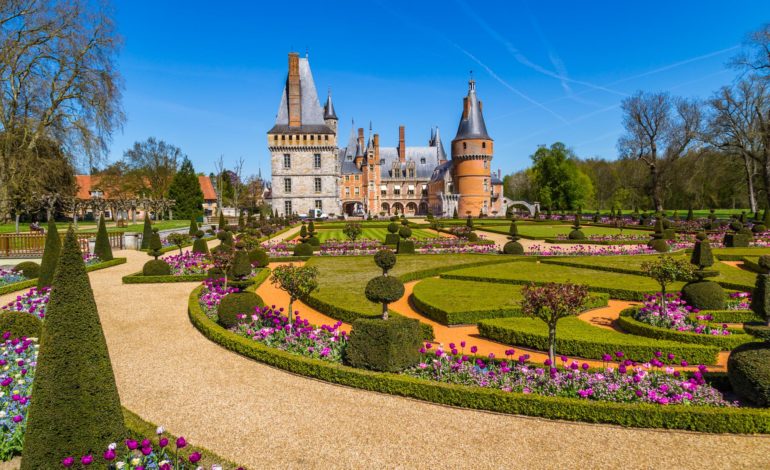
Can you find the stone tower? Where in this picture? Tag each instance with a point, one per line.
(303, 147)
(472, 151)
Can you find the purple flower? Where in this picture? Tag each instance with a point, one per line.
(474, 349)
(194, 457)
(87, 459)
(181, 443)
(131, 444)
(109, 454)
(68, 461)
(163, 442)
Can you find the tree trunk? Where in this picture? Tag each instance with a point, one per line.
(17, 223)
(657, 199)
(291, 310)
(766, 181)
(75, 219)
(384, 311)
(748, 163)
(552, 344)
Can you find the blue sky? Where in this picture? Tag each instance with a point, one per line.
(207, 76)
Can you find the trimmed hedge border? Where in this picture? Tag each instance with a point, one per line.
(593, 348)
(729, 316)
(471, 317)
(27, 283)
(635, 327)
(139, 278)
(588, 241)
(693, 418)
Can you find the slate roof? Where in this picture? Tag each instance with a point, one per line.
(473, 126)
(440, 171)
(312, 115)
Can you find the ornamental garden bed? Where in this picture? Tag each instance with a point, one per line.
(93, 265)
(549, 231)
(511, 394)
(455, 302)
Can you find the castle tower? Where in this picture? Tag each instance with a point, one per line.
(330, 117)
(472, 151)
(303, 147)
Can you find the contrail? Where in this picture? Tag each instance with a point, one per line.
(509, 86)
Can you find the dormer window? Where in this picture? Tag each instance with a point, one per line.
(422, 161)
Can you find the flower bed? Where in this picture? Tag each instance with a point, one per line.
(9, 276)
(739, 301)
(590, 250)
(18, 359)
(33, 302)
(675, 316)
(188, 263)
(437, 245)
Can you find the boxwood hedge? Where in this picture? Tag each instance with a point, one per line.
(574, 337)
(635, 327)
(694, 418)
(27, 283)
(729, 316)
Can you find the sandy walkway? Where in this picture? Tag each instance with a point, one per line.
(266, 418)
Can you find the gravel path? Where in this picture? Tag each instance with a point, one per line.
(266, 418)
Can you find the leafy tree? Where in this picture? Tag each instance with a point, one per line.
(75, 407)
(297, 281)
(667, 270)
(352, 230)
(179, 239)
(552, 302)
(185, 189)
(560, 183)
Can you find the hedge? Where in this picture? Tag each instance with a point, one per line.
(694, 418)
(729, 316)
(635, 327)
(471, 317)
(588, 241)
(592, 342)
(27, 283)
(139, 278)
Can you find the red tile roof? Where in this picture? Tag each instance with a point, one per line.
(208, 189)
(86, 182)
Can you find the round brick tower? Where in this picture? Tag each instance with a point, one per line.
(472, 151)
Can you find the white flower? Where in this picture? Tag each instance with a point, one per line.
(135, 461)
(2, 414)
(120, 465)
(160, 430)
(112, 446)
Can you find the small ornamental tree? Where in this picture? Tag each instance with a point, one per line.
(146, 232)
(51, 254)
(75, 407)
(102, 248)
(352, 230)
(513, 247)
(179, 240)
(155, 267)
(666, 270)
(193, 227)
(701, 293)
(241, 302)
(222, 221)
(199, 244)
(303, 232)
(297, 281)
(385, 260)
(552, 302)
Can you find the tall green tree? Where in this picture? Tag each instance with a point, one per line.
(75, 407)
(560, 184)
(186, 191)
(51, 254)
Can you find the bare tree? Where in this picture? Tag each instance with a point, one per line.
(155, 163)
(58, 80)
(237, 183)
(755, 58)
(659, 130)
(219, 167)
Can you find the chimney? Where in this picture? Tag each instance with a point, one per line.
(466, 107)
(361, 137)
(401, 145)
(376, 142)
(292, 90)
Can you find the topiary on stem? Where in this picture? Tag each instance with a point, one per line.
(51, 254)
(75, 406)
(760, 296)
(28, 269)
(155, 267)
(199, 244)
(405, 246)
(297, 281)
(513, 247)
(658, 242)
(700, 293)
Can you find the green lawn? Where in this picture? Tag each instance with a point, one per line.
(732, 277)
(575, 337)
(342, 280)
(91, 226)
(372, 233)
(618, 285)
(543, 231)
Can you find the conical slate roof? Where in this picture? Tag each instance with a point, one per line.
(329, 108)
(435, 141)
(312, 116)
(472, 126)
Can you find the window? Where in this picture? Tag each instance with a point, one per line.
(287, 208)
(410, 190)
(371, 167)
(347, 191)
(383, 190)
(347, 177)
(397, 190)
(287, 185)
(317, 185)
(410, 172)
(425, 190)
(286, 161)
(486, 164)
(318, 204)
(317, 160)
(465, 145)
(358, 190)
(483, 145)
(486, 185)
(356, 177)
(382, 161)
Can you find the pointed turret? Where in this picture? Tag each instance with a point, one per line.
(300, 110)
(435, 141)
(472, 120)
(330, 117)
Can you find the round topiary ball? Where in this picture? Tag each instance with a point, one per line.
(393, 227)
(384, 289)
(156, 267)
(28, 269)
(659, 245)
(405, 232)
(513, 248)
(385, 260)
(473, 237)
(314, 241)
(576, 234)
(303, 249)
(235, 304)
(259, 258)
(749, 374)
(215, 273)
(21, 324)
(704, 295)
(404, 222)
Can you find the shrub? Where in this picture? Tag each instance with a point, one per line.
(576, 234)
(235, 304)
(200, 245)
(513, 248)
(737, 240)
(102, 248)
(51, 254)
(392, 239)
(405, 232)
(215, 273)
(704, 295)
(469, 222)
(384, 345)
(385, 260)
(193, 232)
(28, 269)
(406, 247)
(303, 249)
(760, 331)
(660, 245)
(240, 269)
(155, 247)
(156, 267)
(473, 237)
(760, 296)
(21, 324)
(259, 258)
(749, 373)
(313, 241)
(146, 232)
(75, 407)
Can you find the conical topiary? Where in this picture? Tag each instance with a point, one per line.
(513, 247)
(241, 221)
(701, 293)
(658, 243)
(200, 245)
(155, 267)
(51, 254)
(146, 232)
(222, 221)
(102, 248)
(75, 407)
(193, 228)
